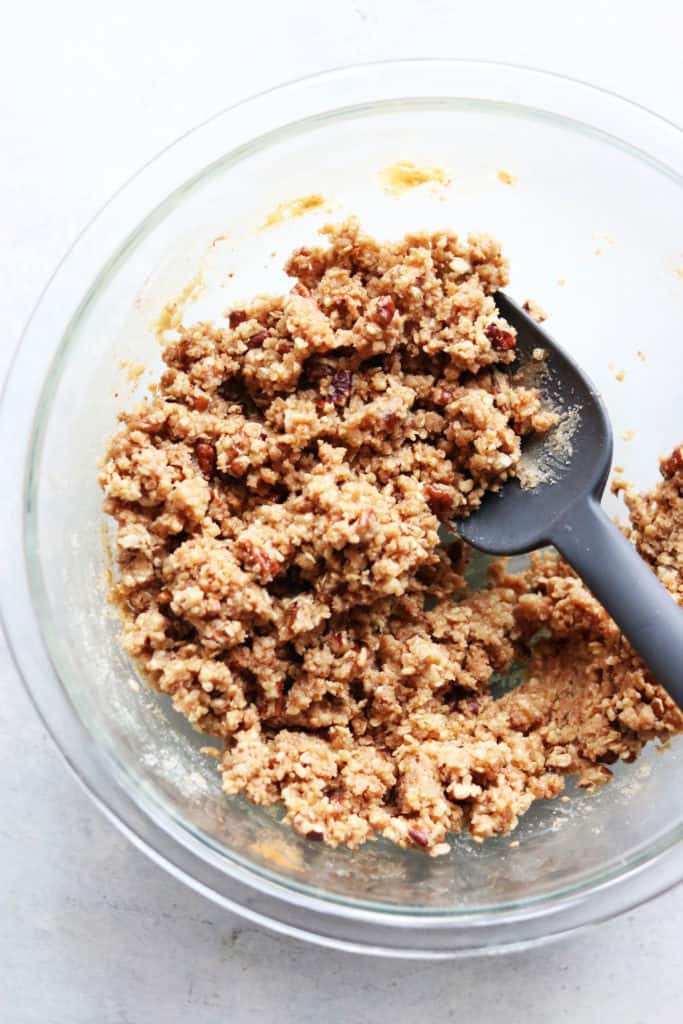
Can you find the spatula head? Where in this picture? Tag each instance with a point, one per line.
(572, 461)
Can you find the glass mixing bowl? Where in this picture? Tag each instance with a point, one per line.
(590, 213)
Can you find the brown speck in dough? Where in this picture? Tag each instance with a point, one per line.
(403, 176)
(280, 574)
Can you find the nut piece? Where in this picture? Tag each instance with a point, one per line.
(301, 289)
(200, 402)
(440, 501)
(419, 836)
(669, 467)
(657, 706)
(206, 457)
(500, 339)
(385, 310)
(267, 566)
(340, 386)
(237, 317)
(256, 339)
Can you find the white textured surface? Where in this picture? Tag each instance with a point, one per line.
(91, 930)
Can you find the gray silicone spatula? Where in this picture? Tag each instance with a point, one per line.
(565, 511)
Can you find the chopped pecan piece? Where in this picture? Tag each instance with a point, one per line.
(334, 641)
(200, 402)
(419, 836)
(440, 501)
(237, 317)
(291, 614)
(669, 467)
(267, 566)
(385, 309)
(657, 706)
(500, 339)
(302, 290)
(206, 457)
(340, 386)
(257, 339)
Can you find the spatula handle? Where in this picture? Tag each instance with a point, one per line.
(627, 588)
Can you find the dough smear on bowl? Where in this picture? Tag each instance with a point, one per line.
(282, 577)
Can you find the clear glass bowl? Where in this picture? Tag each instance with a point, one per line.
(594, 228)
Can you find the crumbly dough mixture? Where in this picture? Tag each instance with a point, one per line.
(282, 578)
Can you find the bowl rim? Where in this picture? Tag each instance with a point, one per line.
(327, 920)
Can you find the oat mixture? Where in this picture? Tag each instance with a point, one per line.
(281, 572)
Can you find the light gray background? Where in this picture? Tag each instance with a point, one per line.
(90, 929)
